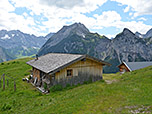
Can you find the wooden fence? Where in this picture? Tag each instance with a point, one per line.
(5, 80)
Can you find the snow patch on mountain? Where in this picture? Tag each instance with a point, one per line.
(13, 35)
(6, 37)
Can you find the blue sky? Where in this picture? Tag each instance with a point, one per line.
(107, 17)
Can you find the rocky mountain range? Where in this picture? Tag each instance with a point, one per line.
(76, 38)
(147, 35)
(18, 44)
(4, 56)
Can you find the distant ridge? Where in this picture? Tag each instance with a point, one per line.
(19, 44)
(147, 35)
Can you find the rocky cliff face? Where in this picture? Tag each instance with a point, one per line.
(76, 29)
(76, 38)
(129, 47)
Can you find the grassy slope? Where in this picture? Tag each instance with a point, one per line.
(130, 89)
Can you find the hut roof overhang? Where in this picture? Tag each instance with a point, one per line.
(136, 65)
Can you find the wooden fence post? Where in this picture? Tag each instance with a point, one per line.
(0, 81)
(14, 85)
(3, 81)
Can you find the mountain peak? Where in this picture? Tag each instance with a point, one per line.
(77, 28)
(126, 31)
(139, 34)
(65, 32)
(149, 33)
(126, 34)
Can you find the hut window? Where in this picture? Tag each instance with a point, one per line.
(69, 72)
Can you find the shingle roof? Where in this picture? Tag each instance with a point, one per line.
(54, 61)
(137, 65)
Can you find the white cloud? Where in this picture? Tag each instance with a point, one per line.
(113, 19)
(43, 6)
(130, 14)
(106, 19)
(126, 9)
(141, 7)
(63, 3)
(25, 14)
(143, 19)
(5, 6)
(12, 21)
(133, 26)
(59, 13)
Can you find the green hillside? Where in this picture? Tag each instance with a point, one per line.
(118, 94)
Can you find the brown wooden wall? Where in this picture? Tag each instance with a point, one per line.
(122, 67)
(36, 73)
(86, 67)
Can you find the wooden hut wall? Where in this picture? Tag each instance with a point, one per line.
(36, 73)
(85, 67)
(122, 67)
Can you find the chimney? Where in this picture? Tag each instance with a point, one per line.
(36, 57)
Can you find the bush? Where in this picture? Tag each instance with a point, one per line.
(26, 74)
(102, 80)
(56, 88)
(2, 63)
(13, 62)
(68, 85)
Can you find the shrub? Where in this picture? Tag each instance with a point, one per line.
(25, 74)
(85, 82)
(13, 62)
(56, 88)
(68, 85)
(102, 80)
(2, 63)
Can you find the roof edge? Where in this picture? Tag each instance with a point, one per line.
(125, 65)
